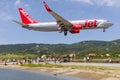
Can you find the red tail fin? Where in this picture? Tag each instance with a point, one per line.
(26, 17)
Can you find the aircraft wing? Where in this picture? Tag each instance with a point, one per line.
(63, 23)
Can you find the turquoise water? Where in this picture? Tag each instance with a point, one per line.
(13, 74)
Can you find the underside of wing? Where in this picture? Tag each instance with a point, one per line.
(64, 24)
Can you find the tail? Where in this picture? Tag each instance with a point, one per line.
(25, 17)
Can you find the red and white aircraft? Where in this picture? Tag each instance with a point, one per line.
(61, 24)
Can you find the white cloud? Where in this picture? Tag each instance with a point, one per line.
(17, 2)
(84, 1)
(27, 6)
(110, 3)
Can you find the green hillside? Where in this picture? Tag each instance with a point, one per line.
(81, 47)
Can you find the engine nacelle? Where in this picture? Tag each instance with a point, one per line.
(77, 26)
(74, 31)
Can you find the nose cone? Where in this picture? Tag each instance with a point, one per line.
(109, 23)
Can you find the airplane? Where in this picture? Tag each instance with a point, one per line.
(61, 24)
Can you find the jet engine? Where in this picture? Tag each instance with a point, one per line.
(76, 28)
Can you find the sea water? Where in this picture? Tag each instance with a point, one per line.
(14, 74)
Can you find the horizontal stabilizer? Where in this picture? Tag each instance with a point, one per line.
(20, 23)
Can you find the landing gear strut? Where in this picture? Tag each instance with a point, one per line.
(65, 32)
(103, 29)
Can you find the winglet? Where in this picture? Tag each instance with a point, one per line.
(47, 7)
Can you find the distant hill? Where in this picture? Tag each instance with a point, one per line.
(80, 47)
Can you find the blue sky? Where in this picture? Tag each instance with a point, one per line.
(12, 33)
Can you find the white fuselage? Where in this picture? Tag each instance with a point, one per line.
(53, 26)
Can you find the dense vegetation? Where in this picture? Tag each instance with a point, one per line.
(84, 47)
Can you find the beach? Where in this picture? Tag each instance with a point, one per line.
(92, 71)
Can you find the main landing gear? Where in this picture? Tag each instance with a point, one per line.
(65, 32)
(104, 29)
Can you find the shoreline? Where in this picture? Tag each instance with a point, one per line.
(110, 73)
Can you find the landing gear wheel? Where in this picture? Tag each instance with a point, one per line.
(65, 33)
(104, 30)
